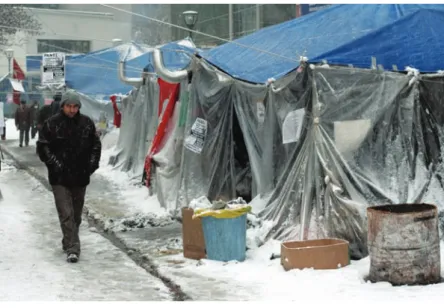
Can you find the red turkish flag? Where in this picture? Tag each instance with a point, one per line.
(171, 92)
(17, 73)
(117, 114)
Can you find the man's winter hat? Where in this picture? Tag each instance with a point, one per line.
(71, 97)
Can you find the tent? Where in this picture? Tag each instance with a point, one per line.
(140, 110)
(322, 142)
(396, 34)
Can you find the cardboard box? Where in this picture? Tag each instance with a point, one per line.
(317, 254)
(192, 236)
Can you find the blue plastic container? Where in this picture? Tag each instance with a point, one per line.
(225, 238)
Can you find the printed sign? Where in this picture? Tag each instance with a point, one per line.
(196, 139)
(292, 127)
(53, 68)
(349, 135)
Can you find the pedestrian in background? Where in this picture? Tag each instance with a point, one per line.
(23, 122)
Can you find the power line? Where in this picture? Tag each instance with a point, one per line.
(204, 34)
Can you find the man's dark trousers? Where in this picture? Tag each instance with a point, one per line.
(24, 134)
(69, 203)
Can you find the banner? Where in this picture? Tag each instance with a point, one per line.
(53, 68)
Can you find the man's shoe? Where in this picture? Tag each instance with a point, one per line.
(72, 258)
(21, 145)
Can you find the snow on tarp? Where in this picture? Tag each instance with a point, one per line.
(403, 35)
(96, 73)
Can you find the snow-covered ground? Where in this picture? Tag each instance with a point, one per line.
(13, 134)
(33, 266)
(259, 278)
(136, 196)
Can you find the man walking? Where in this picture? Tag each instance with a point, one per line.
(69, 146)
(23, 122)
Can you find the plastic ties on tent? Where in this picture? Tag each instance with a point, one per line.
(224, 213)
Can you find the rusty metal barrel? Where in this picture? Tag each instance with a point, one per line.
(403, 242)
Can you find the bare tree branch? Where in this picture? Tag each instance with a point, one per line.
(13, 18)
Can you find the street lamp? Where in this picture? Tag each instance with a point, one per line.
(9, 54)
(190, 18)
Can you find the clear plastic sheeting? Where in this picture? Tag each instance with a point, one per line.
(242, 151)
(208, 159)
(363, 143)
(431, 114)
(250, 131)
(95, 109)
(139, 124)
(283, 125)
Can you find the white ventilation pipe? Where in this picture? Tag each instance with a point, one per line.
(167, 75)
(135, 82)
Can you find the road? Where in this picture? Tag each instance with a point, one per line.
(33, 266)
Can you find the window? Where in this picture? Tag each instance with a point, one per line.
(42, 6)
(66, 46)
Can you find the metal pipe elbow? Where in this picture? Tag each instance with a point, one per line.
(167, 75)
(135, 82)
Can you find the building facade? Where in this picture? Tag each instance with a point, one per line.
(72, 29)
(221, 21)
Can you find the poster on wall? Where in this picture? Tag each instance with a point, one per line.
(196, 139)
(292, 126)
(53, 68)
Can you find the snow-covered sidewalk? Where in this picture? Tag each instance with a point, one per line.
(33, 266)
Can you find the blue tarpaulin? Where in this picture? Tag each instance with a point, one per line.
(402, 35)
(96, 74)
